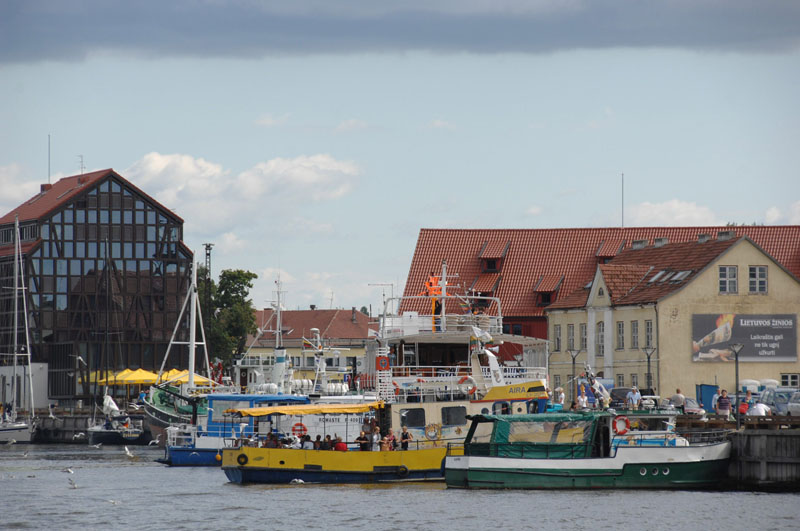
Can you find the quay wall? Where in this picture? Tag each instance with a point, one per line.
(765, 459)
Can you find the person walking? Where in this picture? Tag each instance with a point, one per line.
(724, 404)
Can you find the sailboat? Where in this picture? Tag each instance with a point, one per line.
(11, 427)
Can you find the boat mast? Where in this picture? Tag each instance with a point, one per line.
(192, 324)
(15, 347)
(25, 321)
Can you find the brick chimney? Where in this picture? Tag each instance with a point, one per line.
(46, 187)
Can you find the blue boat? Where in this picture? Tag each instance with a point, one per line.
(202, 444)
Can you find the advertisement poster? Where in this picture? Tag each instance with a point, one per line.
(764, 337)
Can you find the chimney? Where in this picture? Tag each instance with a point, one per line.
(703, 238)
(725, 235)
(46, 187)
(639, 244)
(660, 242)
(353, 315)
(313, 306)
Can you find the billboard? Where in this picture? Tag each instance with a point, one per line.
(764, 337)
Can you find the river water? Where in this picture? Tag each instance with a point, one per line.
(112, 491)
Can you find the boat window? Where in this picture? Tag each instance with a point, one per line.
(413, 418)
(220, 406)
(501, 408)
(546, 432)
(454, 416)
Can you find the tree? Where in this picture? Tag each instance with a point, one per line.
(231, 317)
(364, 310)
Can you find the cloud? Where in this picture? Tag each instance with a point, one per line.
(441, 124)
(268, 120)
(40, 30)
(534, 210)
(774, 215)
(316, 177)
(794, 214)
(231, 243)
(351, 125)
(15, 188)
(672, 213)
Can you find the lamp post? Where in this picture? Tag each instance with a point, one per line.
(649, 353)
(574, 353)
(736, 347)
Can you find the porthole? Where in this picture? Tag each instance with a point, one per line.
(643, 471)
(665, 471)
(655, 471)
(485, 411)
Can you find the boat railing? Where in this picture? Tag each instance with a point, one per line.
(701, 437)
(411, 323)
(669, 438)
(529, 450)
(181, 435)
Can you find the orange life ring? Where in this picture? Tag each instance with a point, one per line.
(396, 388)
(625, 428)
(383, 363)
(465, 379)
(299, 429)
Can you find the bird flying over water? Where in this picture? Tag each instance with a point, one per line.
(72, 483)
(128, 452)
(98, 445)
(11, 441)
(79, 435)
(68, 470)
(155, 441)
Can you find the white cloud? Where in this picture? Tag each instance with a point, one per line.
(534, 210)
(773, 216)
(670, 213)
(298, 226)
(316, 177)
(268, 120)
(351, 125)
(231, 243)
(16, 186)
(441, 124)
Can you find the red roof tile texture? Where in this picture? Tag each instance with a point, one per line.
(548, 283)
(485, 282)
(495, 249)
(534, 253)
(332, 324)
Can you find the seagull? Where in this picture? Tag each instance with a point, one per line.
(113, 502)
(155, 441)
(24, 454)
(128, 452)
(68, 470)
(137, 407)
(98, 445)
(80, 359)
(11, 441)
(79, 435)
(296, 481)
(72, 483)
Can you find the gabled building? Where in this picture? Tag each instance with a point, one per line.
(530, 269)
(106, 272)
(666, 316)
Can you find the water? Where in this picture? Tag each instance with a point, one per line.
(114, 491)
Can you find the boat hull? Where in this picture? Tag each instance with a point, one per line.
(20, 432)
(635, 468)
(282, 466)
(188, 456)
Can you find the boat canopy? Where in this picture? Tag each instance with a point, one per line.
(306, 409)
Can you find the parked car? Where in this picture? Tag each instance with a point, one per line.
(794, 404)
(692, 407)
(619, 394)
(778, 399)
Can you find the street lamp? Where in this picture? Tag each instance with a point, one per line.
(649, 353)
(574, 353)
(736, 347)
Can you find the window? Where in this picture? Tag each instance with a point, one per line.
(583, 336)
(600, 342)
(413, 418)
(557, 338)
(727, 279)
(545, 298)
(620, 335)
(600, 292)
(454, 416)
(790, 380)
(648, 333)
(758, 279)
(490, 266)
(501, 408)
(556, 381)
(620, 380)
(516, 329)
(571, 336)
(634, 380)
(635, 334)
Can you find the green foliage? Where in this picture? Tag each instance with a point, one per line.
(231, 316)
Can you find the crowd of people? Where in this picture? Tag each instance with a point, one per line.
(369, 439)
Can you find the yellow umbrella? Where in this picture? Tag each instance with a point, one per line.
(140, 376)
(169, 375)
(184, 378)
(115, 379)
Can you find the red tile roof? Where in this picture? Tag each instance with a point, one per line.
(621, 279)
(332, 324)
(63, 191)
(534, 253)
(495, 249)
(611, 248)
(486, 282)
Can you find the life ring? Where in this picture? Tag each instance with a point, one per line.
(621, 430)
(470, 390)
(242, 459)
(396, 388)
(299, 429)
(383, 363)
(433, 432)
(402, 471)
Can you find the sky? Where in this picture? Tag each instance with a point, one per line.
(312, 140)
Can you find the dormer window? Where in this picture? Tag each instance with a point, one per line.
(490, 265)
(600, 292)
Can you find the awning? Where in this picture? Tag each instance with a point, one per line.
(306, 409)
(139, 376)
(182, 377)
(114, 379)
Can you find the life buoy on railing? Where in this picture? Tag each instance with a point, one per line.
(396, 388)
(382, 362)
(402, 471)
(471, 386)
(621, 425)
(299, 429)
(242, 459)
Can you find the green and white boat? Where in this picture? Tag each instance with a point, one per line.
(588, 449)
